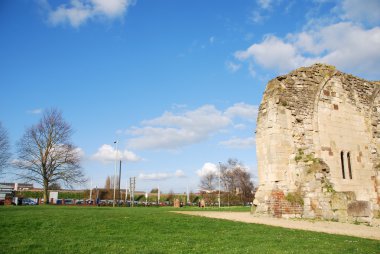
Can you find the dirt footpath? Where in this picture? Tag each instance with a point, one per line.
(318, 226)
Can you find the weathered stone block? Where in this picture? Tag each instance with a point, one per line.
(359, 209)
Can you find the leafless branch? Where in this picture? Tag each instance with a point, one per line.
(46, 155)
(4, 149)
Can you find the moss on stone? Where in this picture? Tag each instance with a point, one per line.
(295, 198)
(328, 186)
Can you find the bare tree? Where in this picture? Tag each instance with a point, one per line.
(107, 186)
(236, 181)
(209, 181)
(55, 186)
(46, 155)
(170, 196)
(244, 184)
(4, 149)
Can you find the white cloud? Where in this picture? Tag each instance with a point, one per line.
(239, 143)
(161, 175)
(36, 111)
(206, 117)
(345, 45)
(107, 153)
(272, 53)
(208, 168)
(78, 12)
(212, 39)
(347, 36)
(172, 131)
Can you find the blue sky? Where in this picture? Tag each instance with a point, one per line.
(178, 83)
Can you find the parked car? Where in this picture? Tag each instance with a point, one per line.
(103, 202)
(69, 202)
(28, 201)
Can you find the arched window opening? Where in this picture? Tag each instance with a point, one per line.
(342, 163)
(349, 164)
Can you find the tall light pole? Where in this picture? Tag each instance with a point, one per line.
(126, 192)
(219, 183)
(187, 195)
(91, 189)
(158, 195)
(114, 176)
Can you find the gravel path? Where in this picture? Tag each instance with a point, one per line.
(318, 226)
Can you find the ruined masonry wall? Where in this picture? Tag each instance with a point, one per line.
(307, 121)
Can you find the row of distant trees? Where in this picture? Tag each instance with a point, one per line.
(45, 153)
(236, 186)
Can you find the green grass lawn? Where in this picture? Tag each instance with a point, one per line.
(51, 229)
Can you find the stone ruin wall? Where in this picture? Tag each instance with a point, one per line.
(307, 121)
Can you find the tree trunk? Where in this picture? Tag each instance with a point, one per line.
(46, 196)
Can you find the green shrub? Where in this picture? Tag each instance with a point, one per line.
(29, 194)
(71, 195)
(295, 198)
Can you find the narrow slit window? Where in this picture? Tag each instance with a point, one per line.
(349, 164)
(342, 163)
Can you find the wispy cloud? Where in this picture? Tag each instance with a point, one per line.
(359, 11)
(265, 4)
(78, 12)
(257, 17)
(263, 10)
(80, 152)
(232, 67)
(174, 130)
(36, 111)
(161, 175)
(239, 143)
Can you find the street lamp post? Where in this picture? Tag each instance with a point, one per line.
(158, 195)
(114, 176)
(219, 183)
(91, 190)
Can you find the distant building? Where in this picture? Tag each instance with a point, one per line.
(18, 186)
(5, 190)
